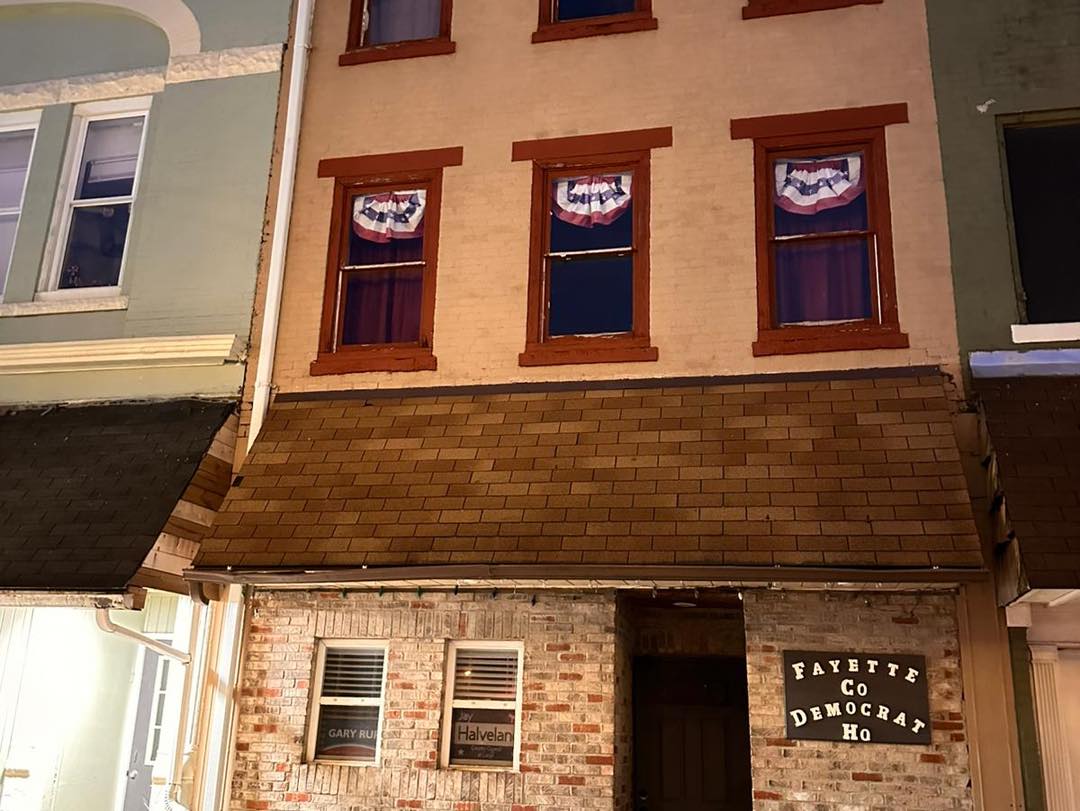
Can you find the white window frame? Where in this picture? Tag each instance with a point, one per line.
(317, 700)
(84, 115)
(16, 122)
(451, 703)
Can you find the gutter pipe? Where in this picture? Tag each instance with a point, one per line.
(106, 624)
(279, 242)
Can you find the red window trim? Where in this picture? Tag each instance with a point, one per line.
(755, 9)
(823, 131)
(557, 155)
(548, 29)
(356, 53)
(369, 171)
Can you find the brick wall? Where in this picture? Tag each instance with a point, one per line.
(794, 775)
(568, 702)
(703, 277)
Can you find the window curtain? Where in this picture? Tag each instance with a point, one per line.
(390, 215)
(824, 280)
(387, 21)
(382, 307)
(591, 200)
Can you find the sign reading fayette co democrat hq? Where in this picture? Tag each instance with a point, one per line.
(856, 697)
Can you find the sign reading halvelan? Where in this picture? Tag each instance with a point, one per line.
(856, 697)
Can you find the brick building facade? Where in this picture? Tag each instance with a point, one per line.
(519, 549)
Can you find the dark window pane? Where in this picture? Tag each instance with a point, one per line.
(482, 737)
(819, 195)
(382, 306)
(1044, 174)
(347, 733)
(823, 280)
(401, 20)
(576, 9)
(95, 246)
(365, 252)
(591, 296)
(110, 157)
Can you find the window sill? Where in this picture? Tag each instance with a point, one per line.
(410, 49)
(1045, 333)
(603, 350)
(796, 341)
(405, 359)
(755, 9)
(59, 306)
(595, 27)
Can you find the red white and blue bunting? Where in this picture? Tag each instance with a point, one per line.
(809, 186)
(389, 215)
(592, 199)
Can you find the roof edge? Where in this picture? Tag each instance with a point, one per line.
(601, 385)
(478, 575)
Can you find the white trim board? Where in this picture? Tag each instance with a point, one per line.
(119, 353)
(1045, 333)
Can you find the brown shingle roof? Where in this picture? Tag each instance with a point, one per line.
(839, 473)
(1034, 425)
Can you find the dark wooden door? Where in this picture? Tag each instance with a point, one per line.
(691, 735)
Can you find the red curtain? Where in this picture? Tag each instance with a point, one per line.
(382, 306)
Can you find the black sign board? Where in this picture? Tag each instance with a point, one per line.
(347, 733)
(482, 737)
(856, 697)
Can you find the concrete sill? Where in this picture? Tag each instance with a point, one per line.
(21, 309)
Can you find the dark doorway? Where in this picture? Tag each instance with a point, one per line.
(691, 734)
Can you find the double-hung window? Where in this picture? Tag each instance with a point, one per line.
(98, 197)
(17, 132)
(569, 19)
(824, 235)
(379, 302)
(589, 266)
(1043, 172)
(397, 29)
(482, 717)
(347, 708)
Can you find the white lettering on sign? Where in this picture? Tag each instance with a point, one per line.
(352, 734)
(799, 668)
(799, 717)
(853, 732)
(912, 675)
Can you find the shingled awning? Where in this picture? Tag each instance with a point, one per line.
(845, 473)
(87, 490)
(1034, 427)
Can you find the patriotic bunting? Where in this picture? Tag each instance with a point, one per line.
(389, 215)
(591, 200)
(809, 186)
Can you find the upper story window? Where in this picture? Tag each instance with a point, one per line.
(17, 132)
(824, 233)
(379, 300)
(589, 268)
(1043, 176)
(397, 29)
(98, 195)
(773, 8)
(570, 19)
(345, 723)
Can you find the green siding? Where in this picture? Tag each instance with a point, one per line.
(82, 40)
(1025, 55)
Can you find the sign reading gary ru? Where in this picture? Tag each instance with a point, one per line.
(856, 697)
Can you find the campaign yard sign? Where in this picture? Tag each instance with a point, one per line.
(482, 737)
(856, 697)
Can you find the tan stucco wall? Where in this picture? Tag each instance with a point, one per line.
(704, 66)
